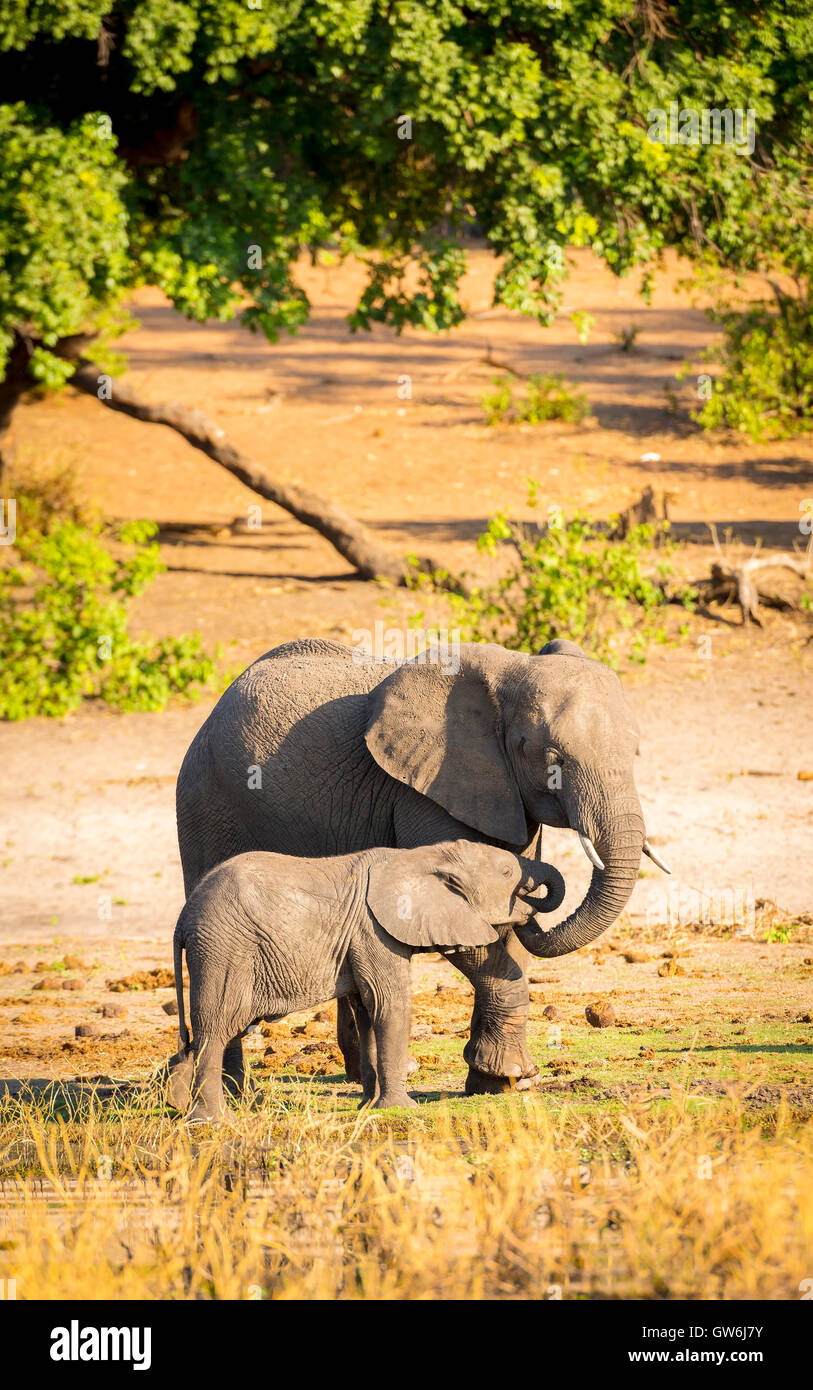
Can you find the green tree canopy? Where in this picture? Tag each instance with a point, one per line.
(160, 140)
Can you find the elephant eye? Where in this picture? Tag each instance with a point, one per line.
(506, 870)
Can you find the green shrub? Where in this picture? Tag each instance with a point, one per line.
(546, 398)
(766, 387)
(497, 404)
(63, 625)
(571, 580)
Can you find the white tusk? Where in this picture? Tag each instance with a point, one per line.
(589, 849)
(656, 859)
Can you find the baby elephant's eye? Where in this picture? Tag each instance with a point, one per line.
(506, 870)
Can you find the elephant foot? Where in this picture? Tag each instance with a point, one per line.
(398, 1099)
(246, 1090)
(479, 1083)
(178, 1078)
(204, 1115)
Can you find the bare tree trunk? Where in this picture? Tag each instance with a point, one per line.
(14, 384)
(349, 536)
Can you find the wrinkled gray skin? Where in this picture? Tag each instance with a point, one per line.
(354, 754)
(266, 935)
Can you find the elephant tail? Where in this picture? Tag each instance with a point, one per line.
(183, 1031)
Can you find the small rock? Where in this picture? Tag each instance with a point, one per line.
(636, 957)
(84, 1030)
(112, 1010)
(322, 1016)
(47, 982)
(600, 1015)
(171, 1006)
(73, 984)
(551, 1013)
(73, 963)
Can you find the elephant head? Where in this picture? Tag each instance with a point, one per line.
(453, 894)
(510, 741)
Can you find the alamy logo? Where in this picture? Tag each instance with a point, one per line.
(103, 1344)
(438, 647)
(686, 125)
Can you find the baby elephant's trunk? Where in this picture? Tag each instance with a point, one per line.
(183, 1031)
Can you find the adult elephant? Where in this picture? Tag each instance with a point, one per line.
(315, 751)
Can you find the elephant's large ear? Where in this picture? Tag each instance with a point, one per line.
(424, 909)
(439, 732)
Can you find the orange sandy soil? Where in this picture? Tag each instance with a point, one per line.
(723, 739)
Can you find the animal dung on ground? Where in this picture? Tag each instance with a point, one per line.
(647, 1053)
(636, 957)
(112, 1010)
(84, 1030)
(600, 1015)
(671, 967)
(73, 984)
(142, 979)
(551, 1013)
(171, 1006)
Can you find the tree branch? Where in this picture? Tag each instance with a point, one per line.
(345, 533)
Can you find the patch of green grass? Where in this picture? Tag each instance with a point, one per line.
(547, 397)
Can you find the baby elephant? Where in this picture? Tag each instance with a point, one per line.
(266, 935)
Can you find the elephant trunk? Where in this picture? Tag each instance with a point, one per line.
(619, 843)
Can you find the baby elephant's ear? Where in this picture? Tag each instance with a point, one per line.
(423, 910)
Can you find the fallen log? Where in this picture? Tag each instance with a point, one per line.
(349, 536)
(738, 583)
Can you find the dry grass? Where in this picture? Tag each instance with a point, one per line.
(499, 1199)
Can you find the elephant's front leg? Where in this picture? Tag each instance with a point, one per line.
(497, 1051)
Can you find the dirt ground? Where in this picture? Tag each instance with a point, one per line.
(87, 844)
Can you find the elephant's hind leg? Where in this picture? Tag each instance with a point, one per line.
(367, 1052)
(234, 1070)
(207, 1086)
(347, 1035)
(179, 1079)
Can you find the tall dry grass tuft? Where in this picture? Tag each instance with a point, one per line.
(505, 1200)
